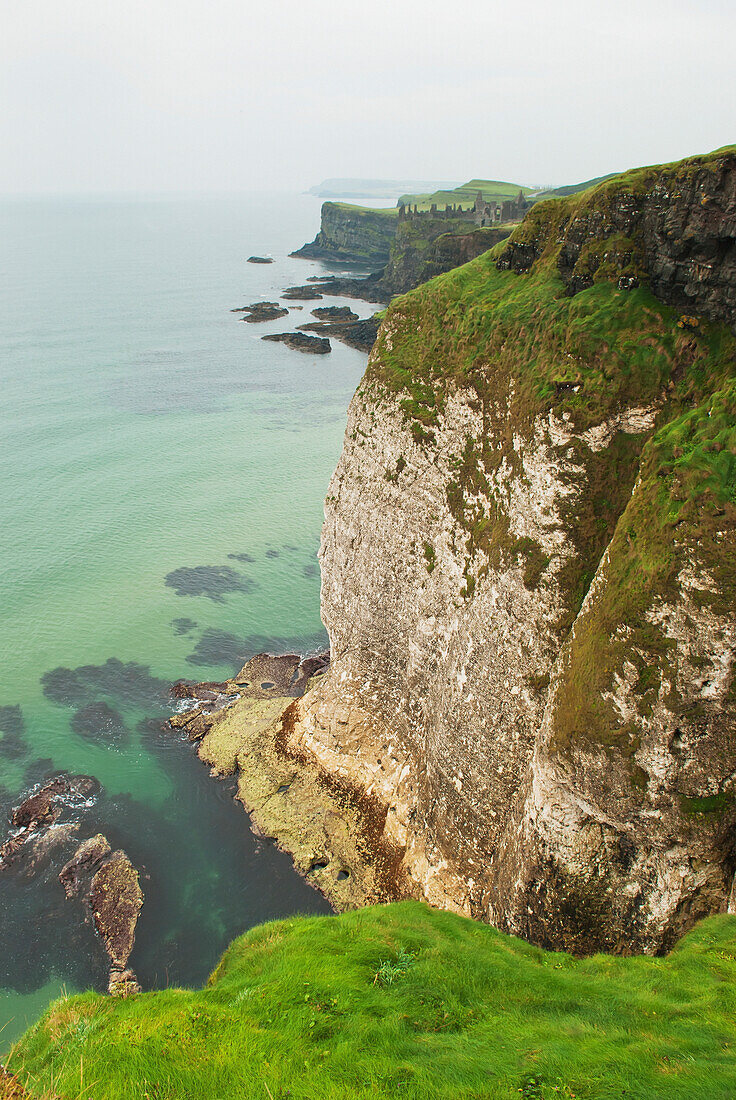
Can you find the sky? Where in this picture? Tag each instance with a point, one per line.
(230, 95)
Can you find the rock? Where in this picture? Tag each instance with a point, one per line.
(352, 234)
(83, 864)
(260, 259)
(122, 983)
(258, 312)
(41, 808)
(334, 313)
(301, 293)
(360, 334)
(39, 811)
(367, 288)
(299, 341)
(115, 899)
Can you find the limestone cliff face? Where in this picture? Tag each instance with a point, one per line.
(529, 572)
(352, 233)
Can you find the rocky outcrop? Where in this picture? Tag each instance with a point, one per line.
(300, 341)
(257, 312)
(37, 825)
(260, 259)
(334, 313)
(528, 576)
(360, 334)
(115, 900)
(672, 228)
(353, 234)
(108, 884)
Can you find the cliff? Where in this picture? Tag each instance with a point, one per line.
(425, 247)
(528, 573)
(352, 233)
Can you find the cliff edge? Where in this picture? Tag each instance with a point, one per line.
(528, 573)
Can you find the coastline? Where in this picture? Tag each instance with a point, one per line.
(331, 827)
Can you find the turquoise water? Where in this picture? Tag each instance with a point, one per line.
(145, 432)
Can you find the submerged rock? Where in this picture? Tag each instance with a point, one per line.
(299, 341)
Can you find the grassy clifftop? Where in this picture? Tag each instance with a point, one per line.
(404, 1001)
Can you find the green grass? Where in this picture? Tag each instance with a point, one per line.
(405, 1001)
(389, 213)
(465, 195)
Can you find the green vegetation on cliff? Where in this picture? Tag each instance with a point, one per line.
(404, 1001)
(465, 195)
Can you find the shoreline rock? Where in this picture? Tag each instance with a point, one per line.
(334, 313)
(115, 900)
(299, 341)
(360, 334)
(333, 830)
(32, 820)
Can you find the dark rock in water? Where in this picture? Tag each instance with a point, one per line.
(241, 557)
(360, 334)
(41, 810)
(334, 313)
(218, 647)
(99, 720)
(115, 899)
(260, 259)
(212, 581)
(301, 293)
(11, 732)
(261, 311)
(83, 864)
(367, 288)
(301, 342)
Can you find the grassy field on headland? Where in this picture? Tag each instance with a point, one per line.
(405, 1001)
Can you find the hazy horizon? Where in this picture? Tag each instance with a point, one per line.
(195, 98)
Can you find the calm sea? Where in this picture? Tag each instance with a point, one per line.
(147, 434)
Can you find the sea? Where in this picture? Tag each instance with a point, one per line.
(161, 495)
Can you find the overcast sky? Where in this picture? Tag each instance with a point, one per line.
(222, 95)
